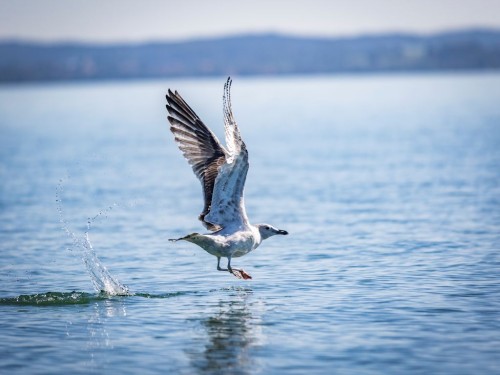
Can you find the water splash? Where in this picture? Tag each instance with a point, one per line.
(99, 274)
(102, 280)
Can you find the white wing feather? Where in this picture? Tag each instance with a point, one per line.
(228, 206)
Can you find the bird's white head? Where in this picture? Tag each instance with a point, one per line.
(267, 231)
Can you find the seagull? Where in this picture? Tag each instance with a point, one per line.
(222, 172)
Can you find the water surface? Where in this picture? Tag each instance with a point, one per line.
(388, 185)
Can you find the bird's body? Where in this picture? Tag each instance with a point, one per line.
(222, 173)
(233, 244)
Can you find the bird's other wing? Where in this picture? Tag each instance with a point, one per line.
(234, 143)
(228, 207)
(200, 147)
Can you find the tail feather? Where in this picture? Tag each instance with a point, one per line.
(185, 238)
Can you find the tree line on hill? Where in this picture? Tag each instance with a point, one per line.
(268, 54)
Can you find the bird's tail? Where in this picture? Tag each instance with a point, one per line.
(185, 238)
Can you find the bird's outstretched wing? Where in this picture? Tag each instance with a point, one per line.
(222, 172)
(228, 206)
(234, 143)
(199, 145)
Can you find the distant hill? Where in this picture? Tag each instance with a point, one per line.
(251, 55)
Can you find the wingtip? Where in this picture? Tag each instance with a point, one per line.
(228, 83)
(172, 95)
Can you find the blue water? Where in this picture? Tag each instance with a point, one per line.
(389, 186)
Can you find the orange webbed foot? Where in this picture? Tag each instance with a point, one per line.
(240, 274)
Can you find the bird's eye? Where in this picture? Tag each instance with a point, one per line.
(267, 227)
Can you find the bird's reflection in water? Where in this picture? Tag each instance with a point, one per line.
(231, 334)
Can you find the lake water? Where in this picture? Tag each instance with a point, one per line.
(389, 186)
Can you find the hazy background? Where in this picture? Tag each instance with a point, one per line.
(81, 40)
(139, 21)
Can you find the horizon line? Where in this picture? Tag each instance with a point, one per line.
(360, 35)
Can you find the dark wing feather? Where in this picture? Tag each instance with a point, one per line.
(199, 145)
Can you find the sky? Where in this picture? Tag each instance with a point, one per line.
(104, 21)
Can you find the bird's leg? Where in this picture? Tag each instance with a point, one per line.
(218, 266)
(239, 273)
